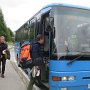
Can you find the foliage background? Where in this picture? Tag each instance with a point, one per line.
(4, 30)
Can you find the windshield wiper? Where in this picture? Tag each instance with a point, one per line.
(70, 62)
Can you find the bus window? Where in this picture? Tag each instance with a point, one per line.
(25, 34)
(38, 27)
(32, 30)
(31, 33)
(19, 36)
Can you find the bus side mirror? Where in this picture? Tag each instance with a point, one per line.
(49, 24)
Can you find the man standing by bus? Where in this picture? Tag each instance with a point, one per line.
(36, 58)
(3, 49)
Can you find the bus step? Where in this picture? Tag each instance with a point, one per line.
(42, 86)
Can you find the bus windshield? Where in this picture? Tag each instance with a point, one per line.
(72, 31)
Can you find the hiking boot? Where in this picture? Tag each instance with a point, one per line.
(2, 75)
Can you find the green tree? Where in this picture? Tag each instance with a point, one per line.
(11, 34)
(3, 28)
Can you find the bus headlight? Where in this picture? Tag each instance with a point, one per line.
(65, 78)
(70, 78)
(63, 88)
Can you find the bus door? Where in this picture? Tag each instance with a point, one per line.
(46, 49)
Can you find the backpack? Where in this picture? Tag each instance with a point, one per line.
(25, 56)
(7, 55)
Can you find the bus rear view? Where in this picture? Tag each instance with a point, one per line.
(69, 67)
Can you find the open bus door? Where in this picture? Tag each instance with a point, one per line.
(47, 51)
(46, 58)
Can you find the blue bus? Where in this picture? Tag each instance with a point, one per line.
(66, 30)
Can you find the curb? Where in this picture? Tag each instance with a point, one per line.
(21, 73)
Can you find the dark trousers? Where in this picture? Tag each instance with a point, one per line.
(32, 80)
(31, 83)
(3, 61)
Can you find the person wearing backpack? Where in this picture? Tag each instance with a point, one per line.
(25, 60)
(3, 54)
(37, 59)
(25, 55)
